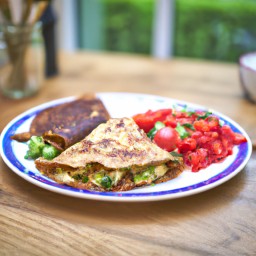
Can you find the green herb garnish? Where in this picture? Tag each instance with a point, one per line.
(221, 122)
(182, 131)
(190, 113)
(204, 116)
(77, 176)
(85, 179)
(175, 154)
(190, 126)
(158, 125)
(185, 110)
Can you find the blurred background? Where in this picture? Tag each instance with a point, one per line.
(217, 30)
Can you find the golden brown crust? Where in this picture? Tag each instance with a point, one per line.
(67, 123)
(126, 183)
(117, 144)
(174, 171)
(21, 137)
(74, 121)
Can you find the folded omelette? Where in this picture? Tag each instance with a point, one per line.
(115, 156)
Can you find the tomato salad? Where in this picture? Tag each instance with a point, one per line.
(199, 136)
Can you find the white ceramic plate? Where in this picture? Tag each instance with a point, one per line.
(126, 105)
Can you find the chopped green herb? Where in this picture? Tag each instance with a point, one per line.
(182, 131)
(77, 176)
(190, 113)
(208, 113)
(190, 126)
(185, 110)
(158, 125)
(221, 122)
(85, 179)
(151, 134)
(175, 154)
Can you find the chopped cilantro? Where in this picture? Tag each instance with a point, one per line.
(85, 179)
(77, 176)
(190, 126)
(204, 116)
(221, 122)
(158, 125)
(175, 154)
(182, 131)
(185, 110)
(190, 113)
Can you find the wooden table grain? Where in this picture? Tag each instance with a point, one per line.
(221, 221)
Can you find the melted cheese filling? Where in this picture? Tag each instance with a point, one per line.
(149, 175)
(64, 177)
(115, 176)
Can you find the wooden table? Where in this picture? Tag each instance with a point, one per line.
(221, 221)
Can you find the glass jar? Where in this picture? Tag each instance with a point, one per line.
(21, 60)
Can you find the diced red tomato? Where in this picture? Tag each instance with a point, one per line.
(206, 142)
(147, 120)
(197, 159)
(239, 138)
(203, 140)
(217, 147)
(196, 134)
(171, 121)
(188, 144)
(213, 123)
(201, 125)
(213, 135)
(185, 120)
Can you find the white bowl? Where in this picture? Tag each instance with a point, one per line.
(248, 75)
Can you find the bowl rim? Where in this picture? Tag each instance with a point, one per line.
(242, 63)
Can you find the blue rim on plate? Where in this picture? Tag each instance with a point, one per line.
(7, 151)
